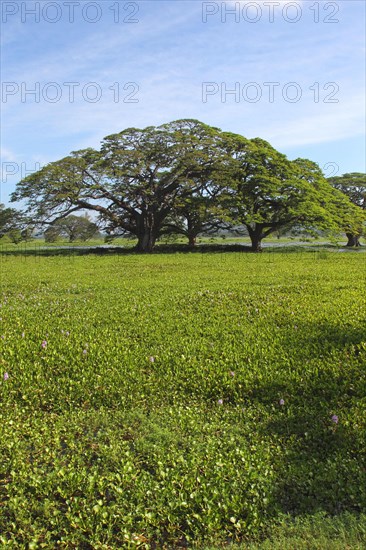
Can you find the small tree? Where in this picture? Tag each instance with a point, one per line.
(14, 226)
(73, 228)
(52, 234)
(9, 220)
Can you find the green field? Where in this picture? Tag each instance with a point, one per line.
(174, 400)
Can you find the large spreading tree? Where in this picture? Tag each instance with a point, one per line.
(267, 192)
(186, 176)
(133, 182)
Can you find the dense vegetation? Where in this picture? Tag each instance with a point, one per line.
(165, 400)
(186, 177)
(354, 186)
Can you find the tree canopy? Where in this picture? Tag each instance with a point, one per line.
(186, 177)
(12, 224)
(133, 182)
(266, 192)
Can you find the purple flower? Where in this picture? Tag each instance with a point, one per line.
(67, 333)
(281, 401)
(335, 419)
(85, 352)
(151, 359)
(220, 402)
(44, 344)
(6, 376)
(232, 373)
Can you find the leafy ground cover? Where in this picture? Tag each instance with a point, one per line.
(179, 400)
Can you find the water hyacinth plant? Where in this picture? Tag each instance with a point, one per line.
(196, 416)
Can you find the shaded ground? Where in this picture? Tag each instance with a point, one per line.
(106, 249)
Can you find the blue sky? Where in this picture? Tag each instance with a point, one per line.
(296, 73)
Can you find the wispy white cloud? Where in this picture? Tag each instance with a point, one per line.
(169, 54)
(320, 127)
(7, 155)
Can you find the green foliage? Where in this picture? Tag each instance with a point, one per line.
(17, 236)
(52, 234)
(268, 193)
(11, 225)
(317, 532)
(145, 408)
(132, 182)
(73, 228)
(192, 215)
(186, 177)
(14, 236)
(353, 185)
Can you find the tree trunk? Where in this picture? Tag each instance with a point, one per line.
(256, 243)
(147, 231)
(256, 237)
(146, 242)
(191, 241)
(353, 240)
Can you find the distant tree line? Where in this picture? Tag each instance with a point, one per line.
(188, 178)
